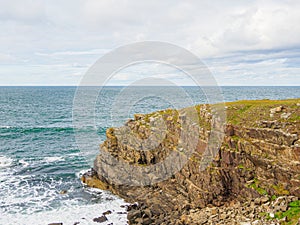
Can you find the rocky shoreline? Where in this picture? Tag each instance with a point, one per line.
(258, 211)
(253, 179)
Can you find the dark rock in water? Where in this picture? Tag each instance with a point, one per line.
(91, 179)
(100, 219)
(107, 212)
(63, 192)
(131, 207)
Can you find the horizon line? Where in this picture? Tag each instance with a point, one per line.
(149, 86)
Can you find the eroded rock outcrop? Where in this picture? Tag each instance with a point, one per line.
(259, 157)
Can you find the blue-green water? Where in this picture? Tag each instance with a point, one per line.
(39, 156)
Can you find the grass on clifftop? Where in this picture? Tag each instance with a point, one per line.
(247, 112)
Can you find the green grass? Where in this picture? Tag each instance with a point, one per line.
(273, 197)
(279, 190)
(247, 112)
(241, 166)
(294, 118)
(292, 214)
(235, 138)
(256, 187)
(244, 108)
(244, 112)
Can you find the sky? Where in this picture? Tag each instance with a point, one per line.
(241, 42)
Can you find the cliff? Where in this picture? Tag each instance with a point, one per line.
(253, 178)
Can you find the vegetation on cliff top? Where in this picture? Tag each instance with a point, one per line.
(248, 112)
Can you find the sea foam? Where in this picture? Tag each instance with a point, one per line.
(69, 215)
(5, 161)
(53, 159)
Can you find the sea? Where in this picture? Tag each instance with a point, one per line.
(41, 162)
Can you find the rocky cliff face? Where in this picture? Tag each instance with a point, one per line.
(258, 161)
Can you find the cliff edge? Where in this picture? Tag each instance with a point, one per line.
(253, 179)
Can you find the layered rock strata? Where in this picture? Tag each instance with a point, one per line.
(259, 158)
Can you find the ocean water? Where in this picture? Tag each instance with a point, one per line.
(40, 158)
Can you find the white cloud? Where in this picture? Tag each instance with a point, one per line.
(6, 58)
(75, 53)
(23, 11)
(254, 71)
(224, 33)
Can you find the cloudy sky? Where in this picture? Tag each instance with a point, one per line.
(242, 42)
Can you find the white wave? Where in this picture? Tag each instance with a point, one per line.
(23, 201)
(22, 161)
(75, 154)
(5, 161)
(53, 159)
(7, 127)
(68, 215)
(41, 195)
(80, 173)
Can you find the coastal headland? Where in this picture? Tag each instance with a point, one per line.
(254, 177)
